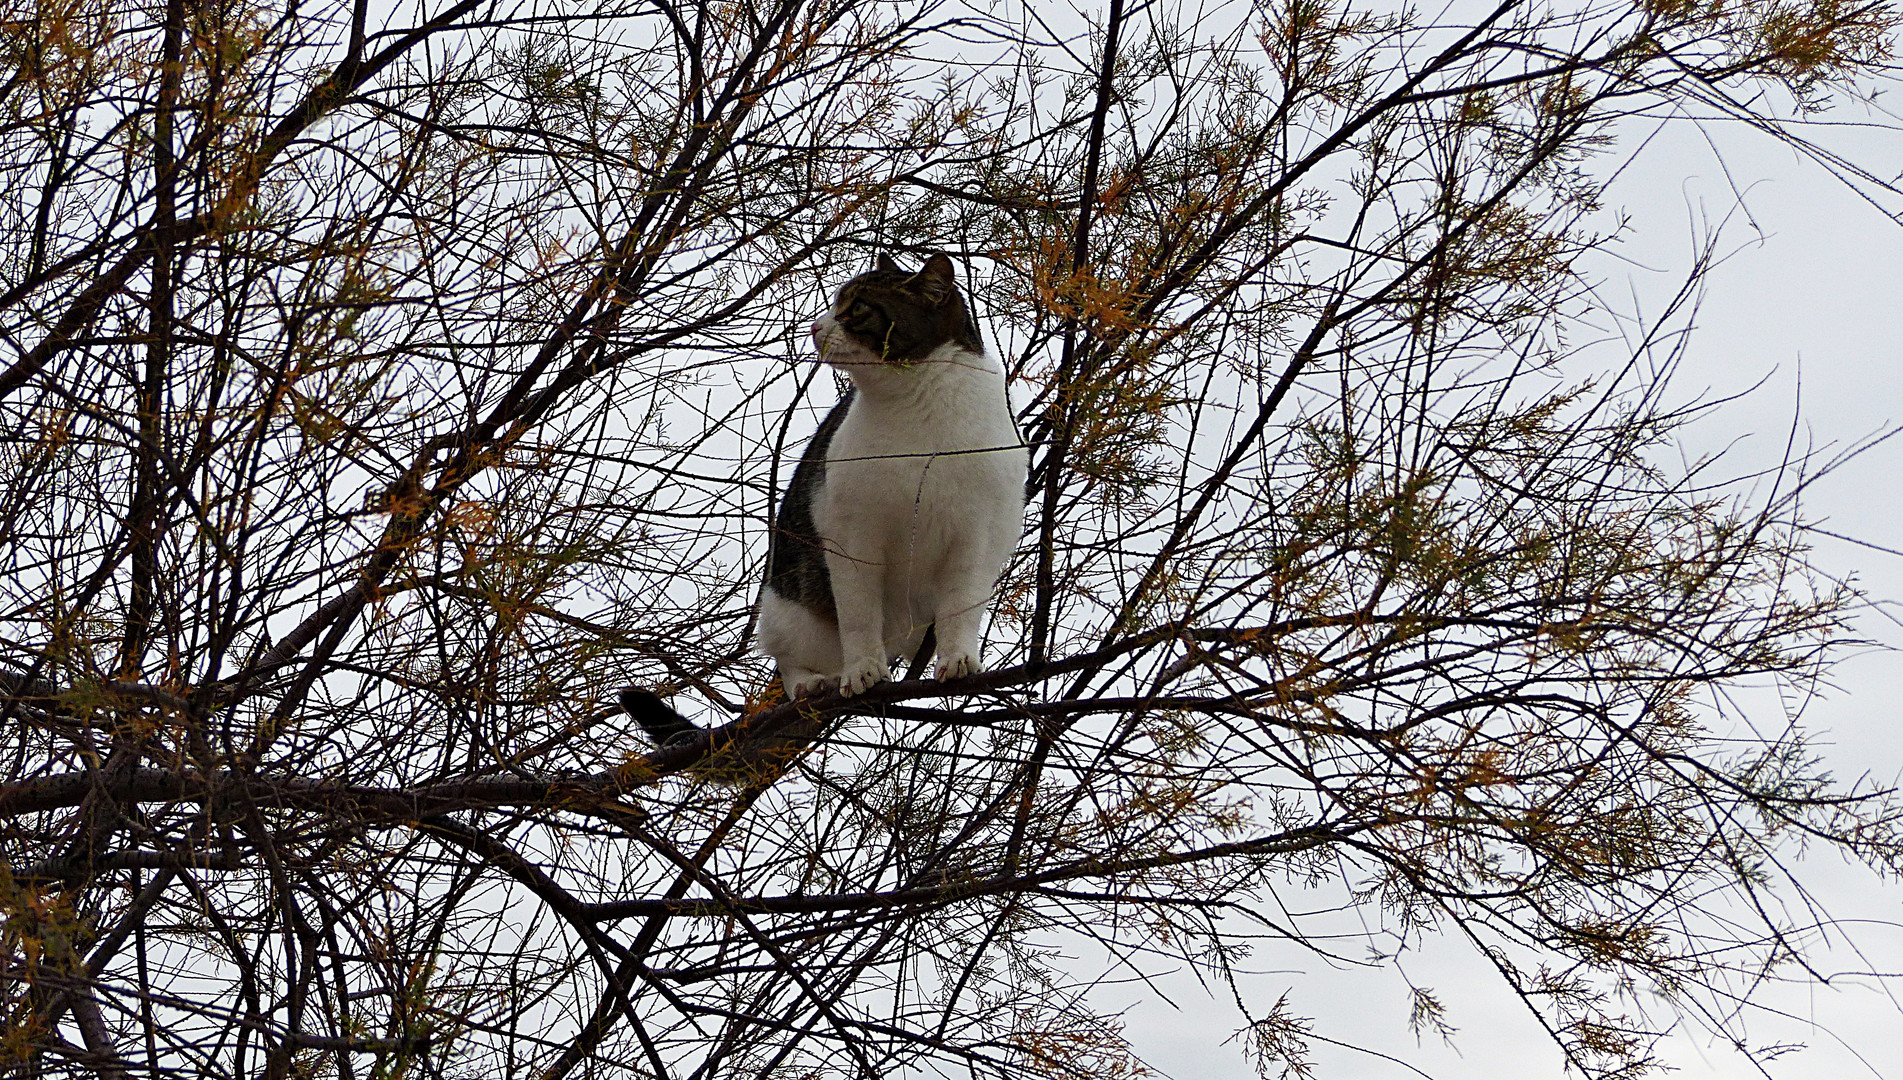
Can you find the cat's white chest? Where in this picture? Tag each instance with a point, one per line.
(922, 504)
(929, 463)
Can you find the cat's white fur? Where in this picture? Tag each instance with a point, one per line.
(922, 503)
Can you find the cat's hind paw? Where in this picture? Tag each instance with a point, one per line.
(808, 683)
(863, 676)
(959, 666)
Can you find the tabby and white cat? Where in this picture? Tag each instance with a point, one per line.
(904, 506)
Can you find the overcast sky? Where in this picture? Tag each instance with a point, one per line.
(1814, 286)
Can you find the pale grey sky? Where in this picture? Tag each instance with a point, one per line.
(1813, 284)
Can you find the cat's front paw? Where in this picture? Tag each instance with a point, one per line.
(959, 666)
(863, 676)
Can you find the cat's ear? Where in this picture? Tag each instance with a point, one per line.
(935, 281)
(885, 263)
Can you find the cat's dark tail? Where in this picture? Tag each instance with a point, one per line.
(662, 724)
(755, 760)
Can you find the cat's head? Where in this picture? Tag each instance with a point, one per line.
(888, 317)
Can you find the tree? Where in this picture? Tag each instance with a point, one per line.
(389, 387)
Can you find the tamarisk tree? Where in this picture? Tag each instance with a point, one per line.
(384, 386)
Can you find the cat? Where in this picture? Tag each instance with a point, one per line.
(903, 509)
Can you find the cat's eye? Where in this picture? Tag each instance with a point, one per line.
(859, 310)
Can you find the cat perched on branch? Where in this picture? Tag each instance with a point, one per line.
(901, 513)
